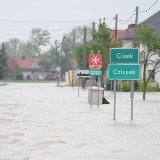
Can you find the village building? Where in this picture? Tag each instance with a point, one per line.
(29, 69)
(129, 37)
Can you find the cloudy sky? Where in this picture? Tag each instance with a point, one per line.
(18, 17)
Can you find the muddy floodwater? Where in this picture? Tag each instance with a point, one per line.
(40, 121)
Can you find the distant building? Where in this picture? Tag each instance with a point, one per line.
(30, 69)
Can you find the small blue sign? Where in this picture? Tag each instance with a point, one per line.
(95, 72)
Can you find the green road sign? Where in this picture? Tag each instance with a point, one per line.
(95, 72)
(124, 55)
(124, 72)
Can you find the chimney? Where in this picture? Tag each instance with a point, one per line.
(130, 26)
(23, 57)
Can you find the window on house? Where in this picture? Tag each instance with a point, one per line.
(153, 74)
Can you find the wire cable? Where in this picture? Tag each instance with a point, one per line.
(149, 7)
(111, 21)
(35, 21)
(128, 19)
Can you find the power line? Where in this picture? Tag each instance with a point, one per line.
(50, 30)
(111, 21)
(11, 29)
(129, 18)
(149, 7)
(13, 34)
(36, 21)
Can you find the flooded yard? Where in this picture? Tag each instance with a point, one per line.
(40, 121)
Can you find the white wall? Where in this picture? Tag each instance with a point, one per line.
(129, 44)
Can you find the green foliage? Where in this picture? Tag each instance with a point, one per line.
(151, 87)
(147, 37)
(126, 86)
(54, 53)
(26, 49)
(38, 38)
(79, 55)
(77, 35)
(3, 63)
(74, 48)
(67, 54)
(138, 86)
(102, 41)
(150, 40)
(45, 62)
(10, 72)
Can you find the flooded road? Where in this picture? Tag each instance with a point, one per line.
(44, 122)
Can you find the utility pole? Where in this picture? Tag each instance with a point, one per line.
(74, 65)
(14, 68)
(116, 23)
(136, 24)
(84, 49)
(93, 26)
(134, 45)
(61, 58)
(73, 48)
(84, 58)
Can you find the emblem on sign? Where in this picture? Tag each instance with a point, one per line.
(95, 61)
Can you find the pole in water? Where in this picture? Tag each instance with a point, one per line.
(132, 96)
(98, 93)
(114, 100)
(78, 87)
(91, 94)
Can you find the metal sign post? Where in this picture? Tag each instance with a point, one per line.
(78, 87)
(124, 66)
(98, 93)
(132, 96)
(95, 64)
(114, 118)
(91, 93)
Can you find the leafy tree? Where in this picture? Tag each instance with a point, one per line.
(45, 63)
(150, 41)
(102, 41)
(77, 34)
(14, 44)
(54, 53)
(79, 55)
(75, 39)
(39, 38)
(67, 54)
(26, 49)
(3, 62)
(8, 48)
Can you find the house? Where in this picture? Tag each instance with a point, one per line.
(30, 69)
(128, 39)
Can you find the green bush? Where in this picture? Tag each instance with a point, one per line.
(138, 86)
(151, 87)
(126, 86)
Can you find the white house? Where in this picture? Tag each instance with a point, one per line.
(128, 39)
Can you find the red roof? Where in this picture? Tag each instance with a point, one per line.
(24, 62)
(119, 33)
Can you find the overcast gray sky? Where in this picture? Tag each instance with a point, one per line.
(18, 17)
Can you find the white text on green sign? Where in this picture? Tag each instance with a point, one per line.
(95, 72)
(124, 72)
(124, 55)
